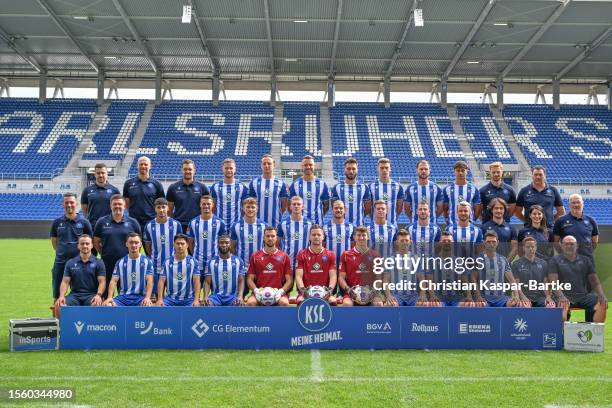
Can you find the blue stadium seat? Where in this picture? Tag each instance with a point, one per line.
(484, 135)
(30, 206)
(112, 142)
(40, 138)
(207, 135)
(573, 143)
(303, 136)
(404, 132)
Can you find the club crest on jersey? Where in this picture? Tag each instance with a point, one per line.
(278, 258)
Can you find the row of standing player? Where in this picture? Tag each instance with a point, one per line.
(269, 193)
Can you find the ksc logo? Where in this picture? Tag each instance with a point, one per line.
(314, 314)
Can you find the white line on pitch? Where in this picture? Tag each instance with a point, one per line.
(259, 378)
(315, 366)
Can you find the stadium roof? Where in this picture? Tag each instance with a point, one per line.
(298, 39)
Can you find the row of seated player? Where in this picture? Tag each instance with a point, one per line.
(361, 280)
(405, 133)
(573, 141)
(43, 135)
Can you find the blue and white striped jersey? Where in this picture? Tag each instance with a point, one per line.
(161, 237)
(224, 274)
(338, 238)
(294, 236)
(388, 192)
(314, 193)
(248, 237)
(179, 277)
(454, 194)
(471, 234)
(353, 196)
(494, 271)
(424, 238)
(132, 274)
(430, 193)
(268, 193)
(228, 200)
(382, 238)
(204, 234)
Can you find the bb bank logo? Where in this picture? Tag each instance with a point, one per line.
(314, 314)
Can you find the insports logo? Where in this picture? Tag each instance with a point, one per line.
(314, 314)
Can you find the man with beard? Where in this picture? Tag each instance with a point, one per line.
(316, 266)
(111, 232)
(423, 191)
(184, 196)
(269, 267)
(354, 195)
(496, 188)
(65, 233)
(313, 191)
(224, 277)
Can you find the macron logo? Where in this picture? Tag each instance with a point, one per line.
(199, 328)
(79, 326)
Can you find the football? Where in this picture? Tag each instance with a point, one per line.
(268, 296)
(320, 292)
(362, 295)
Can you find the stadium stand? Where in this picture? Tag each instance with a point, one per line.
(40, 138)
(404, 132)
(303, 136)
(30, 206)
(113, 140)
(484, 135)
(573, 143)
(207, 135)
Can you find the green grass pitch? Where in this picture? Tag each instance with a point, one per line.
(223, 378)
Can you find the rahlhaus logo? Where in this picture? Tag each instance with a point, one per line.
(315, 315)
(424, 328)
